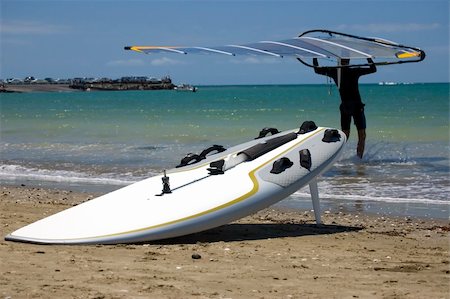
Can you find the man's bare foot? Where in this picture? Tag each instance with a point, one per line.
(360, 150)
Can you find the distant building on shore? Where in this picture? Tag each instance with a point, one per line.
(124, 83)
(86, 84)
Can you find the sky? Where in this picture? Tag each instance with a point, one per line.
(66, 39)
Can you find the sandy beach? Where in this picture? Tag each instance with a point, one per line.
(275, 253)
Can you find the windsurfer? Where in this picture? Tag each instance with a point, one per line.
(346, 79)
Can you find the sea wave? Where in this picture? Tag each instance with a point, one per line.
(11, 173)
(365, 198)
(17, 173)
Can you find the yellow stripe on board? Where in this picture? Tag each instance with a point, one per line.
(228, 204)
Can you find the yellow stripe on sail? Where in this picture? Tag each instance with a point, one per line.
(403, 55)
(143, 48)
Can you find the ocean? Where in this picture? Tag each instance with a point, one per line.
(100, 141)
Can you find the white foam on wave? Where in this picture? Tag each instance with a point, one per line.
(361, 191)
(17, 172)
(366, 198)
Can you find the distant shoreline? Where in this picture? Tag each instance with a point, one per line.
(26, 88)
(43, 87)
(31, 84)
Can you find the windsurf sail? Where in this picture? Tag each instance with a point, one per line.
(328, 47)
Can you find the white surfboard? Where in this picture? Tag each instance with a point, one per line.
(209, 191)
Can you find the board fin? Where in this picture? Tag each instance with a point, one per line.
(315, 200)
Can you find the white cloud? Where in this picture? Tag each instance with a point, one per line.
(255, 60)
(133, 62)
(15, 42)
(126, 62)
(165, 61)
(30, 27)
(389, 27)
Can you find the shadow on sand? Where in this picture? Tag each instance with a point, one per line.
(248, 232)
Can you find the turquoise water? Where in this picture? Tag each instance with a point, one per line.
(115, 138)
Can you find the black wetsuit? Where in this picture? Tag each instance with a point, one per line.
(351, 105)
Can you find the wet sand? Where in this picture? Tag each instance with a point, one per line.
(275, 253)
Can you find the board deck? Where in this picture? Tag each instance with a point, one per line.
(200, 196)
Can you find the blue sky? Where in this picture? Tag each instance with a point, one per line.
(63, 39)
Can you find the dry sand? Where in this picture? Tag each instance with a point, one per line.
(272, 254)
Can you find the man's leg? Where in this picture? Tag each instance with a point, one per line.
(360, 123)
(347, 133)
(361, 143)
(346, 120)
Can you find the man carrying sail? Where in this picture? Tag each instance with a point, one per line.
(346, 79)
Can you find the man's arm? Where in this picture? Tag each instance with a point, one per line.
(321, 70)
(371, 69)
